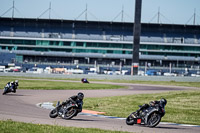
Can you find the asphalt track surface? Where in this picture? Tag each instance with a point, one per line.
(21, 106)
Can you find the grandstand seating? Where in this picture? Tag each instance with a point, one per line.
(6, 57)
(94, 31)
(41, 38)
(79, 34)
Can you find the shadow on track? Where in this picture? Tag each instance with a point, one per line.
(74, 119)
(168, 127)
(161, 127)
(15, 95)
(82, 120)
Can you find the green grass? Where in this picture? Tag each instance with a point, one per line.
(20, 127)
(55, 85)
(168, 83)
(182, 107)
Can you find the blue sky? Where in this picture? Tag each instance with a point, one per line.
(172, 11)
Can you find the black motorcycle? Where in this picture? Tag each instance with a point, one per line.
(8, 89)
(150, 115)
(66, 111)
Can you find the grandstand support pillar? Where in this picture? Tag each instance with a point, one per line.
(145, 68)
(88, 59)
(136, 37)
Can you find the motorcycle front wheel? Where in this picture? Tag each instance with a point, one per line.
(53, 113)
(154, 120)
(130, 120)
(5, 91)
(71, 112)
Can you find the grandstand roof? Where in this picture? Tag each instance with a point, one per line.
(151, 26)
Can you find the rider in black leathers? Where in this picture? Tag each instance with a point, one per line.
(162, 102)
(77, 99)
(84, 80)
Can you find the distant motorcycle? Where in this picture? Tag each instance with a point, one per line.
(9, 88)
(84, 80)
(150, 116)
(67, 111)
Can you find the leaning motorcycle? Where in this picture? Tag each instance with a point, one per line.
(7, 89)
(84, 80)
(66, 111)
(150, 116)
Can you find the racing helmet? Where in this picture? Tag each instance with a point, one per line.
(16, 81)
(80, 95)
(163, 101)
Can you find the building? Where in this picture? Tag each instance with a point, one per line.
(92, 42)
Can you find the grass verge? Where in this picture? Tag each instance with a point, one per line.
(52, 85)
(182, 107)
(20, 127)
(168, 83)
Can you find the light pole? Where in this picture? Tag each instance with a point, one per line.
(136, 39)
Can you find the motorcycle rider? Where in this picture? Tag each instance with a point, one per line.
(162, 102)
(76, 99)
(12, 85)
(84, 80)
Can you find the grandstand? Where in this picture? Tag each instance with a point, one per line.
(89, 42)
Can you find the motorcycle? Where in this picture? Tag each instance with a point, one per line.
(84, 80)
(8, 89)
(66, 111)
(150, 115)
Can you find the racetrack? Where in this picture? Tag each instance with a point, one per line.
(22, 107)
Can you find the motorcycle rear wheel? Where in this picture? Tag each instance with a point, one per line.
(53, 113)
(70, 113)
(154, 120)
